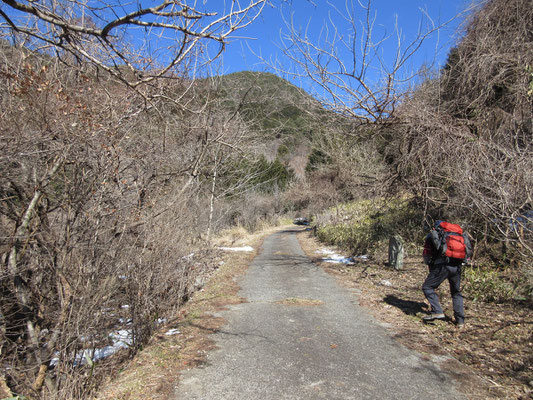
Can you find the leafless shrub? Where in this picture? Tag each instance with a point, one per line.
(102, 211)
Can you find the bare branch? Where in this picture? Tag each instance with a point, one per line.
(72, 27)
(346, 63)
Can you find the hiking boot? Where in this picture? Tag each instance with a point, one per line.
(433, 317)
(460, 325)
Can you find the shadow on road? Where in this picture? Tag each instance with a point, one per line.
(407, 306)
(294, 230)
(212, 330)
(287, 260)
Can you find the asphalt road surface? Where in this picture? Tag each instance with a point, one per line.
(302, 336)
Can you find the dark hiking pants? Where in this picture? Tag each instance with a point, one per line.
(437, 274)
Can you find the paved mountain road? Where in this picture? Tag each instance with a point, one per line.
(302, 336)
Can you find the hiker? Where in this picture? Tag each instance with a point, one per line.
(446, 248)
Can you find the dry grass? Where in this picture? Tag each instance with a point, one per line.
(234, 236)
(492, 356)
(296, 301)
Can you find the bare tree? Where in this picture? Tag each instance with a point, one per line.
(125, 39)
(346, 64)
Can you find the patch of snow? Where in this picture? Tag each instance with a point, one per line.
(173, 332)
(161, 320)
(325, 251)
(332, 257)
(385, 282)
(125, 306)
(244, 248)
(121, 339)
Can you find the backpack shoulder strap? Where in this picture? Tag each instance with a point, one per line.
(468, 245)
(436, 238)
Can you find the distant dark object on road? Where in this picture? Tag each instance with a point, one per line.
(301, 221)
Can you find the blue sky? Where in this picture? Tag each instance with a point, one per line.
(263, 36)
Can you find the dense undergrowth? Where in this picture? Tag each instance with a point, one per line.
(366, 225)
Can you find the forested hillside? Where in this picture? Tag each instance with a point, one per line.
(283, 116)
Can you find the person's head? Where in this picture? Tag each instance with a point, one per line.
(437, 223)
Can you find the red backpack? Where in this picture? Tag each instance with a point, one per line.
(449, 241)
